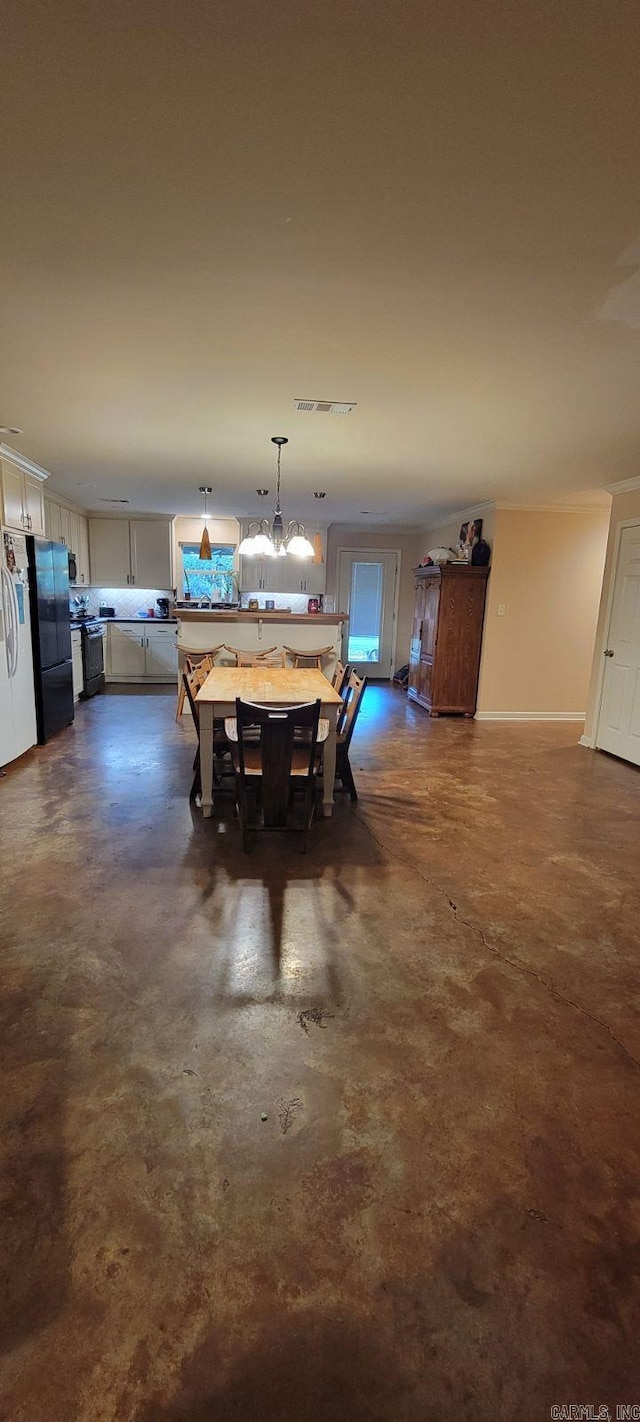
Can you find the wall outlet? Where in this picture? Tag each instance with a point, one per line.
(502, 607)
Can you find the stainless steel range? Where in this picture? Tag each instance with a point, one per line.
(92, 654)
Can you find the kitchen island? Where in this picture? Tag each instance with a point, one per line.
(201, 629)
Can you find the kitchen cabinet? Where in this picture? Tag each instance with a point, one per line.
(64, 525)
(444, 659)
(52, 520)
(141, 652)
(130, 552)
(22, 499)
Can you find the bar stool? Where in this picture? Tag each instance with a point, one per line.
(195, 655)
(316, 656)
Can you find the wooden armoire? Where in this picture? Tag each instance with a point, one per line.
(447, 637)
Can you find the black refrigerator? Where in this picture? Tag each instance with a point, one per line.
(50, 635)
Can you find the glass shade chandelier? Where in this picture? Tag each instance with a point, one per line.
(270, 540)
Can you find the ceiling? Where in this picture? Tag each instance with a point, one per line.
(429, 208)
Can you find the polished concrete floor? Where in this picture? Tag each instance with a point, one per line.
(345, 1136)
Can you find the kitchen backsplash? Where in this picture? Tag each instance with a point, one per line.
(127, 602)
(291, 602)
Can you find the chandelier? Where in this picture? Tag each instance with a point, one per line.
(272, 541)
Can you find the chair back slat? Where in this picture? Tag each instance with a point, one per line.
(277, 727)
(356, 687)
(252, 659)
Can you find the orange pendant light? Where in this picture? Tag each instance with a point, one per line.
(205, 542)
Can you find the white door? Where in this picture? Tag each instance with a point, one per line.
(110, 560)
(150, 553)
(162, 654)
(367, 592)
(619, 722)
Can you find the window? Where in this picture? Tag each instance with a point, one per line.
(365, 612)
(210, 577)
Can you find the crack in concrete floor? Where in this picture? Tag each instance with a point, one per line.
(514, 963)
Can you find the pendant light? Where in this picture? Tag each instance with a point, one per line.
(205, 542)
(273, 542)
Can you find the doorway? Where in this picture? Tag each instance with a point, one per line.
(368, 591)
(619, 720)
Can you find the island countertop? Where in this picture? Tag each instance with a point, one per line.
(211, 614)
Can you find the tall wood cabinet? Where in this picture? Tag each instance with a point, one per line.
(447, 637)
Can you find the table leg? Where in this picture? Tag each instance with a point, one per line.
(206, 756)
(329, 761)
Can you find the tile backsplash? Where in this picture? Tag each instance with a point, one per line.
(289, 602)
(127, 602)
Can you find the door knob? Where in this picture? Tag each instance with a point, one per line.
(609, 653)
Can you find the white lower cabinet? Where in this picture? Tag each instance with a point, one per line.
(141, 653)
(76, 664)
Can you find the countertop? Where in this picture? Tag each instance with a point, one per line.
(95, 617)
(205, 614)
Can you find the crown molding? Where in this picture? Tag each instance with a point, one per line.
(553, 508)
(26, 465)
(624, 486)
(474, 511)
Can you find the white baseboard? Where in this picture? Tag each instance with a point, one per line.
(587, 741)
(530, 715)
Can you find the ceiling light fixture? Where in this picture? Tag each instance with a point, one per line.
(273, 542)
(10, 429)
(205, 542)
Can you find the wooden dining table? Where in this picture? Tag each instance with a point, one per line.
(269, 686)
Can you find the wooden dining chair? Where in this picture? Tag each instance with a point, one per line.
(193, 677)
(341, 673)
(353, 695)
(252, 659)
(273, 763)
(299, 658)
(194, 656)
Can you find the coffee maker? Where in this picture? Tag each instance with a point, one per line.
(162, 604)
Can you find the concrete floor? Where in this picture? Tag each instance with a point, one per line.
(440, 1216)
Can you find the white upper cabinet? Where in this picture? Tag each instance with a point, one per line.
(150, 553)
(34, 504)
(52, 520)
(130, 553)
(109, 552)
(22, 499)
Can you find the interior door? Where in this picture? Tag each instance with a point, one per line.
(619, 722)
(367, 591)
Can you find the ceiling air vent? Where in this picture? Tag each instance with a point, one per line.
(325, 407)
(113, 501)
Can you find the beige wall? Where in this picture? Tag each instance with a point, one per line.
(546, 570)
(624, 507)
(341, 535)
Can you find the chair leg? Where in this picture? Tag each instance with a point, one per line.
(197, 779)
(347, 778)
(181, 700)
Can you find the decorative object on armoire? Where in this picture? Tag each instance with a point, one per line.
(470, 532)
(437, 555)
(480, 554)
(444, 659)
(205, 541)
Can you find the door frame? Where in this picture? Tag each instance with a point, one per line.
(396, 592)
(599, 692)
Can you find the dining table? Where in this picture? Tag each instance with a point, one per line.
(266, 686)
